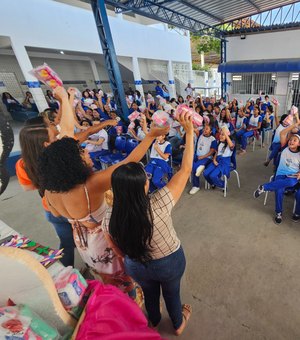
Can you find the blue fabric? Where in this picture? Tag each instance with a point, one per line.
(95, 157)
(279, 185)
(159, 169)
(214, 173)
(159, 91)
(280, 65)
(297, 197)
(244, 138)
(164, 274)
(275, 148)
(65, 233)
(196, 164)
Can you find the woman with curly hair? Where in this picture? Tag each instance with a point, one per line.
(75, 192)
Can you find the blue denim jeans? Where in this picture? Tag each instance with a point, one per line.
(65, 233)
(164, 274)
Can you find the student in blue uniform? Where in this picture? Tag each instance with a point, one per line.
(158, 165)
(221, 161)
(240, 125)
(276, 146)
(287, 175)
(205, 148)
(253, 128)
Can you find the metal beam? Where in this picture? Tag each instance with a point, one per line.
(153, 10)
(110, 57)
(223, 74)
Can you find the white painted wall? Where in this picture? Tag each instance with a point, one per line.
(274, 45)
(55, 25)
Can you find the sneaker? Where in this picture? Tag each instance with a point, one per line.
(213, 186)
(295, 218)
(199, 170)
(258, 192)
(278, 218)
(194, 190)
(266, 163)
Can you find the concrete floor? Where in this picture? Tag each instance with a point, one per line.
(243, 274)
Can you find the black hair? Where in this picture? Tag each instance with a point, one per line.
(181, 98)
(270, 108)
(61, 166)
(39, 120)
(86, 120)
(138, 93)
(131, 222)
(282, 118)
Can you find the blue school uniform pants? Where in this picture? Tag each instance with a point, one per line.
(244, 138)
(279, 185)
(196, 164)
(214, 173)
(275, 148)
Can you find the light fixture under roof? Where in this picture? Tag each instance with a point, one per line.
(61, 52)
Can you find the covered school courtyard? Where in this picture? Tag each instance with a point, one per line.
(242, 275)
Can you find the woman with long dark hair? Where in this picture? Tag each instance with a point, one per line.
(140, 227)
(74, 191)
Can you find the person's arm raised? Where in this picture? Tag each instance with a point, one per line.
(103, 178)
(179, 180)
(84, 135)
(67, 118)
(284, 134)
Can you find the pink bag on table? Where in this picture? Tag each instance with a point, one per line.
(112, 315)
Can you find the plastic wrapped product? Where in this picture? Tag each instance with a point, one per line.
(47, 76)
(160, 118)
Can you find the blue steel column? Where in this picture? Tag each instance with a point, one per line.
(110, 56)
(223, 74)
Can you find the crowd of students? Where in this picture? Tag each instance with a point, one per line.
(132, 236)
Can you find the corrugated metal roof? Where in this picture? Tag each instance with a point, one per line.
(215, 12)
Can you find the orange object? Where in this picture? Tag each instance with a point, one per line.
(25, 180)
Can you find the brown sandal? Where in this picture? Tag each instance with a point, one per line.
(186, 313)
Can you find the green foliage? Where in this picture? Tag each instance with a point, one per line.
(198, 67)
(206, 44)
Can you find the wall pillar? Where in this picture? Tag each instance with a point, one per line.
(172, 88)
(137, 76)
(32, 83)
(95, 73)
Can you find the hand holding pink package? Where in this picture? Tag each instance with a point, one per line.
(196, 118)
(275, 101)
(46, 75)
(160, 118)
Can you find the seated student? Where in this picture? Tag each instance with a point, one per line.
(97, 145)
(267, 119)
(87, 99)
(138, 129)
(158, 165)
(205, 148)
(253, 128)
(287, 175)
(224, 120)
(240, 125)
(276, 145)
(221, 163)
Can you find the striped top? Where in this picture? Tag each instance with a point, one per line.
(164, 239)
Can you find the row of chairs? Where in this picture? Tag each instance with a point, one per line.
(123, 147)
